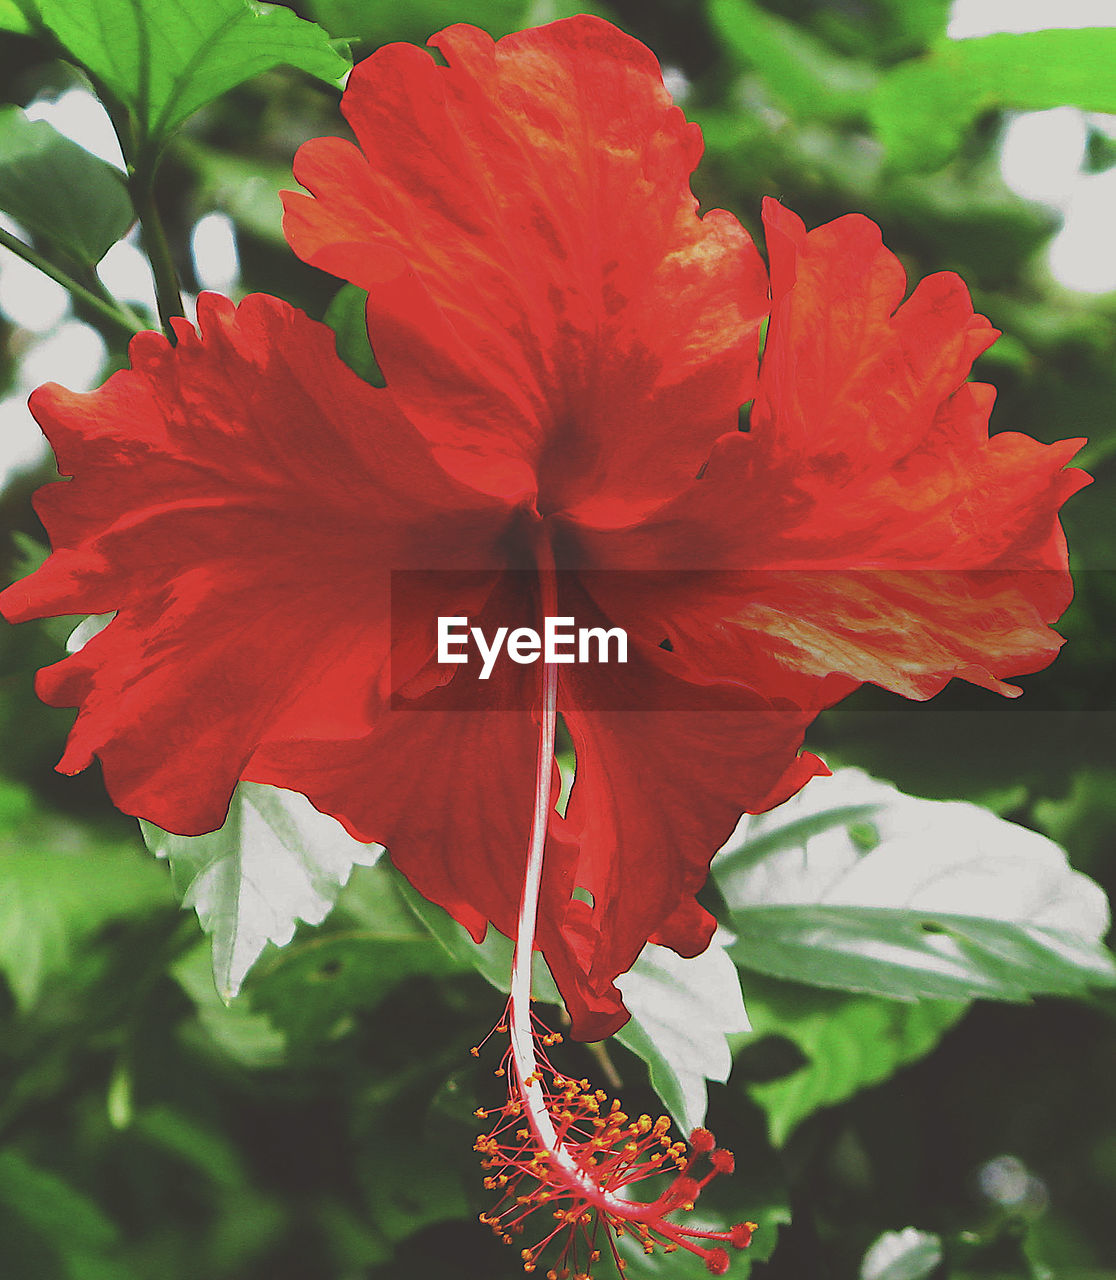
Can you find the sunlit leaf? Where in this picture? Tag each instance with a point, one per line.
(924, 107)
(849, 1042)
(12, 18)
(902, 1255)
(918, 899)
(276, 861)
(682, 1010)
(40, 170)
(166, 58)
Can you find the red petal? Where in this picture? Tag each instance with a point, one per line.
(448, 789)
(544, 299)
(869, 528)
(226, 494)
(657, 792)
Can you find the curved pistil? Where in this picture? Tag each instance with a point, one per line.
(560, 1145)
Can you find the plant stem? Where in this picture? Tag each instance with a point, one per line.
(121, 316)
(155, 244)
(142, 163)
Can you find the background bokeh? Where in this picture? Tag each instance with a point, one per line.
(320, 1128)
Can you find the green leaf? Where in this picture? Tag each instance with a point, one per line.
(923, 108)
(492, 958)
(12, 18)
(375, 21)
(40, 171)
(849, 1042)
(166, 58)
(58, 886)
(312, 988)
(275, 861)
(682, 1010)
(346, 317)
(952, 902)
(234, 1031)
(195, 1143)
(69, 1221)
(902, 1255)
(799, 72)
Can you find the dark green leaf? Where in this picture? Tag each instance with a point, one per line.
(51, 1207)
(923, 108)
(850, 1042)
(40, 172)
(166, 58)
(57, 887)
(952, 903)
(313, 987)
(492, 958)
(346, 317)
(234, 1031)
(799, 72)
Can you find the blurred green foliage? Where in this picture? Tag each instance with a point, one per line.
(321, 1126)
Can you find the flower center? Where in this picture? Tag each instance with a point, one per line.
(558, 1144)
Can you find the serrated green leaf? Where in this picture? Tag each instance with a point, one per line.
(850, 1043)
(953, 903)
(58, 886)
(923, 108)
(40, 170)
(682, 1010)
(166, 58)
(313, 987)
(902, 1255)
(276, 861)
(310, 986)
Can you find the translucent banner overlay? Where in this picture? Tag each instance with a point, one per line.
(767, 640)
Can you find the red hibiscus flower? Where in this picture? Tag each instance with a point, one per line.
(566, 346)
